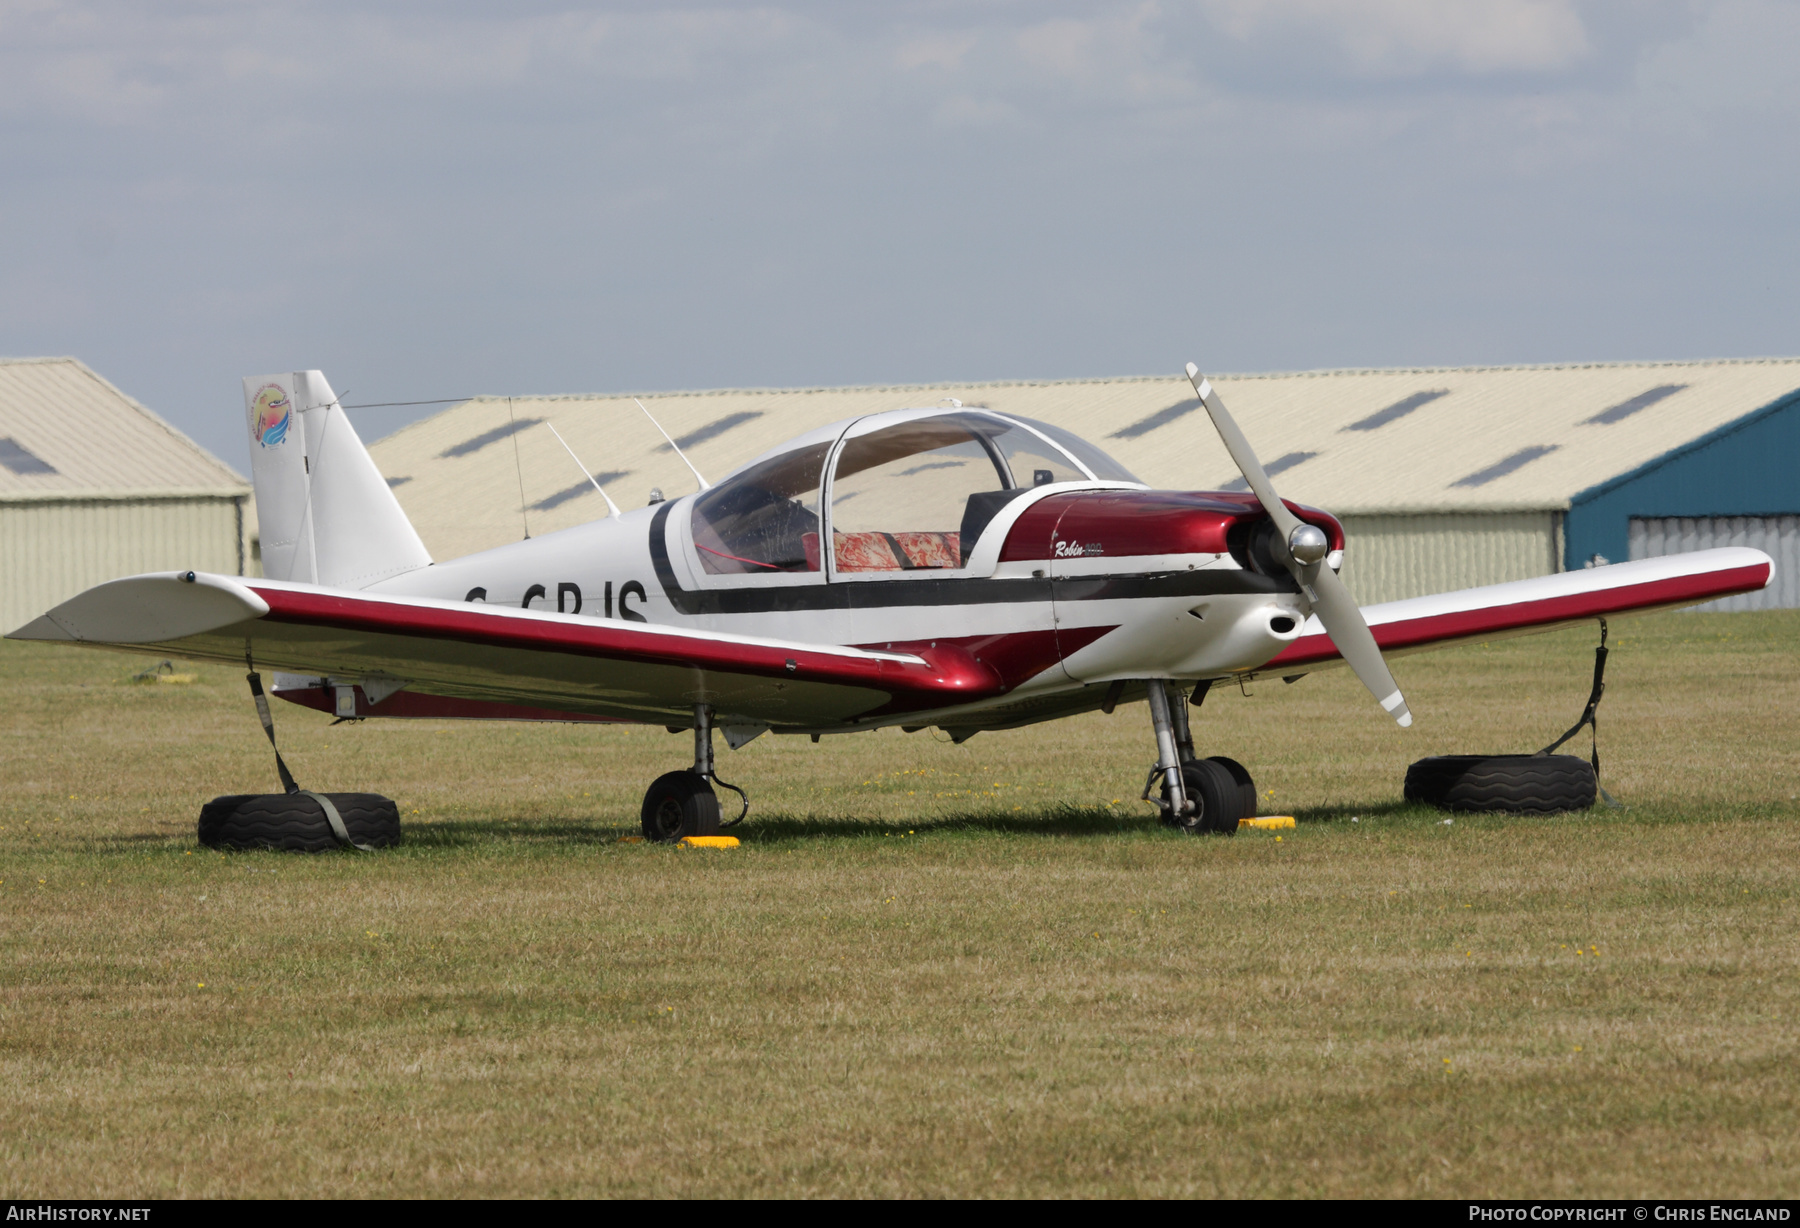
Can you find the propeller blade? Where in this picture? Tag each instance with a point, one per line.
(1241, 453)
(1344, 623)
(1331, 601)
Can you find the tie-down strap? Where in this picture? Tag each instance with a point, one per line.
(268, 724)
(338, 831)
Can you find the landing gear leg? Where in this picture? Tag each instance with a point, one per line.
(703, 761)
(1177, 809)
(1184, 734)
(703, 747)
(684, 803)
(1197, 794)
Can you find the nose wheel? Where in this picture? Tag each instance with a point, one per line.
(684, 803)
(1195, 795)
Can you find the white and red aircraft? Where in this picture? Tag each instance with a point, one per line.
(950, 567)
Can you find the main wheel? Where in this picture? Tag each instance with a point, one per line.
(1515, 784)
(295, 822)
(1246, 786)
(680, 804)
(1216, 797)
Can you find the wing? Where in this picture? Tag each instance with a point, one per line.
(1544, 604)
(537, 664)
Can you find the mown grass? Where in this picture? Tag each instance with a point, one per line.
(932, 969)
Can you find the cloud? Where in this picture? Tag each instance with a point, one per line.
(1740, 57)
(422, 195)
(122, 63)
(1397, 38)
(968, 111)
(1119, 54)
(935, 50)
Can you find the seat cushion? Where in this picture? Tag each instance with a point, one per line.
(930, 549)
(864, 552)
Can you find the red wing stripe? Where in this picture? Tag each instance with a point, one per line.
(949, 674)
(1403, 633)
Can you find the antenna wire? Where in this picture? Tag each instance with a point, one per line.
(518, 468)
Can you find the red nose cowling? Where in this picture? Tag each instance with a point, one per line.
(1123, 523)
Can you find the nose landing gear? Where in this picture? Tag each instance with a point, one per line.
(683, 803)
(1196, 795)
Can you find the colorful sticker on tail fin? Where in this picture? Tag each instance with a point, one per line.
(270, 415)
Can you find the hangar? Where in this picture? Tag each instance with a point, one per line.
(1444, 477)
(94, 486)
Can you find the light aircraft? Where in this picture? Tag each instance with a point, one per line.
(948, 567)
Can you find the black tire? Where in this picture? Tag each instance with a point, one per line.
(295, 822)
(1217, 798)
(1246, 786)
(680, 804)
(1510, 784)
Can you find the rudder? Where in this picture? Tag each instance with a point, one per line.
(326, 515)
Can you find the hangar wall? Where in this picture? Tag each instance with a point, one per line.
(52, 549)
(1776, 536)
(94, 486)
(1743, 468)
(1391, 557)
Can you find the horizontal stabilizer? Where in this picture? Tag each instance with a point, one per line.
(149, 609)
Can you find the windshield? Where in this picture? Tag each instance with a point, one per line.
(1102, 466)
(764, 520)
(916, 495)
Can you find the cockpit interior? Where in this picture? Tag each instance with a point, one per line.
(897, 492)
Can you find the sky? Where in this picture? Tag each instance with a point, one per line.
(441, 200)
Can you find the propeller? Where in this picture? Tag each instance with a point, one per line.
(1304, 551)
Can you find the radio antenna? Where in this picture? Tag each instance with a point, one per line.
(610, 505)
(513, 430)
(704, 484)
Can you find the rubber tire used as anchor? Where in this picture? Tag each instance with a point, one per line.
(1216, 797)
(1507, 784)
(680, 804)
(295, 822)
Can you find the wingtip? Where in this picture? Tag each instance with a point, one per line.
(43, 627)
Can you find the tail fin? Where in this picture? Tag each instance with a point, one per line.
(326, 516)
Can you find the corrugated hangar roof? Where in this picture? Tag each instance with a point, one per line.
(1361, 441)
(66, 432)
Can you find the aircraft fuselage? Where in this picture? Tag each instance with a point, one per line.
(1073, 586)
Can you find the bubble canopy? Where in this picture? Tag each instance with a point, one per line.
(908, 490)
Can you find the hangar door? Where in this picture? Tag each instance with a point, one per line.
(1776, 536)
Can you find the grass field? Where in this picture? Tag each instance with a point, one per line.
(932, 969)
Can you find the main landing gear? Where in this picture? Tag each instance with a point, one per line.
(1196, 795)
(683, 803)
